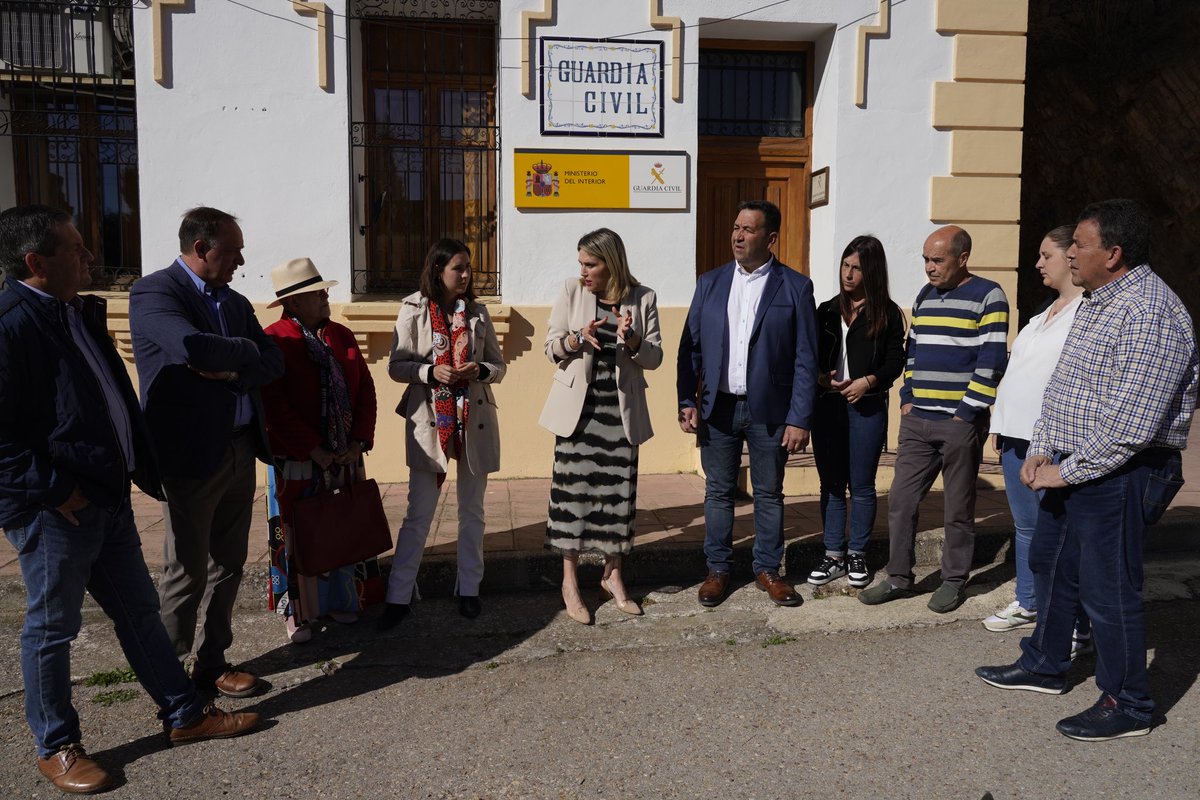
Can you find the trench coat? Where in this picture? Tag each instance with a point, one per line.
(411, 362)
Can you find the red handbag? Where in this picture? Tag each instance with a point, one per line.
(339, 527)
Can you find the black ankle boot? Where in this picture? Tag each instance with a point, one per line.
(393, 614)
(469, 607)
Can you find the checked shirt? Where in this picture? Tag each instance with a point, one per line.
(1126, 380)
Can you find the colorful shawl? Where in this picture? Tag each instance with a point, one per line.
(336, 413)
(451, 403)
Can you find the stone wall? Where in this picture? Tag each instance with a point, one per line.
(1112, 109)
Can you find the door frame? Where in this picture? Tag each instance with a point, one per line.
(784, 151)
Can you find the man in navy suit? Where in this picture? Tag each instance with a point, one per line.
(201, 357)
(748, 374)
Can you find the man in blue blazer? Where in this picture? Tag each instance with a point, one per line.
(201, 357)
(748, 374)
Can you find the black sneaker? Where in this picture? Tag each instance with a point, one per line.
(857, 574)
(1012, 676)
(1102, 722)
(829, 569)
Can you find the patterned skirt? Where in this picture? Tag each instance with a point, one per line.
(593, 493)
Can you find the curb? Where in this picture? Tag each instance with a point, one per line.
(678, 565)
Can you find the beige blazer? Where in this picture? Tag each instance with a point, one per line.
(574, 308)
(412, 363)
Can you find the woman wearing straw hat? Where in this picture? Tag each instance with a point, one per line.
(445, 348)
(320, 420)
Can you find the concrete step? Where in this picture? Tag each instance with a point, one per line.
(800, 475)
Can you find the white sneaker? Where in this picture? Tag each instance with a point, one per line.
(1009, 618)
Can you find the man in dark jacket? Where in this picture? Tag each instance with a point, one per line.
(201, 357)
(71, 437)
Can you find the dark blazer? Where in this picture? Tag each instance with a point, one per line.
(55, 431)
(882, 356)
(781, 377)
(190, 417)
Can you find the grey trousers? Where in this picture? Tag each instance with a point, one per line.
(207, 531)
(928, 447)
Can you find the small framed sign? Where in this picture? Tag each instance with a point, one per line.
(818, 188)
(601, 87)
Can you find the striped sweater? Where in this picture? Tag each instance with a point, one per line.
(957, 349)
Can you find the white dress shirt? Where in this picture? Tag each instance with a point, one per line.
(744, 296)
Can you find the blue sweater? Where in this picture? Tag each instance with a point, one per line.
(957, 349)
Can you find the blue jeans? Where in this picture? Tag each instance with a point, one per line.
(104, 555)
(721, 437)
(1087, 551)
(847, 440)
(1023, 503)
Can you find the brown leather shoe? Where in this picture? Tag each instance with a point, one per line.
(779, 590)
(229, 682)
(215, 724)
(714, 589)
(72, 771)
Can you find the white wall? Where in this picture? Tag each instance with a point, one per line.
(880, 157)
(242, 125)
(538, 247)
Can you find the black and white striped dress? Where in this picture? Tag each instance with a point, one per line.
(593, 493)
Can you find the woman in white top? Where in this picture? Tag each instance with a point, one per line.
(1019, 403)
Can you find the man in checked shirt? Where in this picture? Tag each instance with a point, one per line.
(1106, 450)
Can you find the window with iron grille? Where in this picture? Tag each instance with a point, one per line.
(67, 115)
(752, 92)
(426, 148)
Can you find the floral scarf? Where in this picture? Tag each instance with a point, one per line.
(451, 403)
(336, 413)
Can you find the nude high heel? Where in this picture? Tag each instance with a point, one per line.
(628, 606)
(579, 613)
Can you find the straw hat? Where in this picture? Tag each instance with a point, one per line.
(296, 277)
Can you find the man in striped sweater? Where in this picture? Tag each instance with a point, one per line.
(957, 351)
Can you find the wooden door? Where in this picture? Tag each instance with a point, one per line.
(755, 124)
(723, 183)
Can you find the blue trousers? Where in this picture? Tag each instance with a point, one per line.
(104, 556)
(1023, 503)
(1087, 551)
(847, 440)
(721, 437)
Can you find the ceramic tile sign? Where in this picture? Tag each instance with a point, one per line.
(587, 179)
(601, 87)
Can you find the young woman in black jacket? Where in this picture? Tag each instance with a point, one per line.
(861, 352)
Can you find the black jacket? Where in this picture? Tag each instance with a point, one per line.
(882, 356)
(55, 431)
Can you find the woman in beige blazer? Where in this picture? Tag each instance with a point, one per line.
(603, 336)
(445, 349)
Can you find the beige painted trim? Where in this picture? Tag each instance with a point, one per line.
(989, 58)
(984, 152)
(372, 322)
(984, 110)
(528, 20)
(659, 22)
(983, 16)
(881, 28)
(159, 8)
(978, 105)
(321, 12)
